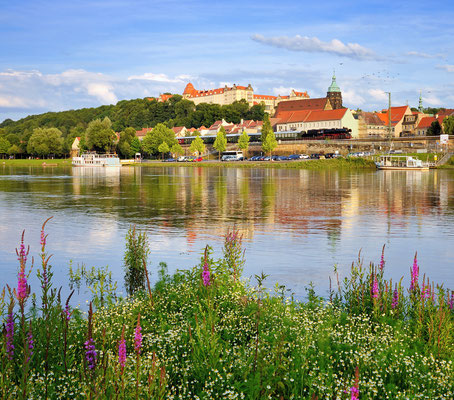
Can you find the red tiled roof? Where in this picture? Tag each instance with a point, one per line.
(178, 129)
(301, 104)
(164, 97)
(143, 131)
(426, 122)
(397, 113)
(311, 115)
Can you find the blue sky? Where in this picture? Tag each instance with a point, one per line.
(59, 55)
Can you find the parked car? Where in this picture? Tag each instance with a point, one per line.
(294, 157)
(198, 159)
(189, 158)
(181, 159)
(170, 160)
(282, 158)
(315, 156)
(254, 158)
(304, 156)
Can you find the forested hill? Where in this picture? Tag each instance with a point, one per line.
(138, 113)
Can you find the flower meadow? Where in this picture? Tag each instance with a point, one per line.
(206, 333)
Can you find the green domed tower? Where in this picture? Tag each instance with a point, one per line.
(334, 94)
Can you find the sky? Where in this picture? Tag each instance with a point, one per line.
(58, 55)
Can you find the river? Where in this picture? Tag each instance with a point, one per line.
(296, 224)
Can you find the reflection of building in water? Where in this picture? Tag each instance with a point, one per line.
(95, 176)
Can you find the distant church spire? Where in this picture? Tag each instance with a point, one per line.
(334, 93)
(420, 107)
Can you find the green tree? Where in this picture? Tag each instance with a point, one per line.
(448, 125)
(100, 135)
(266, 127)
(243, 142)
(158, 135)
(135, 261)
(45, 141)
(4, 145)
(136, 146)
(125, 150)
(177, 150)
(270, 143)
(197, 146)
(220, 144)
(13, 139)
(163, 148)
(434, 129)
(14, 150)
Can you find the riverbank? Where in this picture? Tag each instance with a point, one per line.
(57, 162)
(206, 333)
(336, 163)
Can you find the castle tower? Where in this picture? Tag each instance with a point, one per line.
(334, 94)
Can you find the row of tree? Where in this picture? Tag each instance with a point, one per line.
(136, 114)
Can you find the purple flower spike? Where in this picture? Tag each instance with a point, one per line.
(375, 288)
(122, 350)
(10, 336)
(30, 343)
(206, 275)
(355, 393)
(414, 274)
(451, 302)
(21, 285)
(395, 302)
(138, 336)
(67, 313)
(90, 353)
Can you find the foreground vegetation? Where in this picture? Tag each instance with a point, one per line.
(206, 333)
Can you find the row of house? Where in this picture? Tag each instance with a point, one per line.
(404, 122)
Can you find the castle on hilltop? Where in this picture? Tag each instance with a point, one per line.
(227, 95)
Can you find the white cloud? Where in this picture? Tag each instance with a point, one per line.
(315, 45)
(447, 67)
(352, 98)
(284, 91)
(378, 94)
(419, 54)
(432, 100)
(149, 76)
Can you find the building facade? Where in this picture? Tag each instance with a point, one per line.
(228, 95)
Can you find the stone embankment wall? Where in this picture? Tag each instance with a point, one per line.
(410, 145)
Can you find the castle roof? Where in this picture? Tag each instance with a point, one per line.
(426, 122)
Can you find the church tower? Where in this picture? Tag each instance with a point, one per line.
(334, 94)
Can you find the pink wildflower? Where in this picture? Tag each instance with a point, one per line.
(90, 353)
(414, 274)
(375, 288)
(206, 275)
(382, 260)
(138, 336)
(395, 301)
(10, 336)
(122, 350)
(451, 301)
(355, 393)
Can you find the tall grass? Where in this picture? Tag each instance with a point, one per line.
(206, 333)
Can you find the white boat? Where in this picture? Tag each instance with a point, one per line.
(96, 160)
(406, 163)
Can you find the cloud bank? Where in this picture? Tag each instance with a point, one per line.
(315, 45)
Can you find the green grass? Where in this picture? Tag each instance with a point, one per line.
(33, 162)
(338, 163)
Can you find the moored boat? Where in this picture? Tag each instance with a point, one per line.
(96, 160)
(401, 163)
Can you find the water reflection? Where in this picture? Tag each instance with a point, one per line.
(297, 223)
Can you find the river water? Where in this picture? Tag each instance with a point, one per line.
(297, 224)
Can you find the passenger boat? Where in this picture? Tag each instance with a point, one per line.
(96, 160)
(405, 163)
